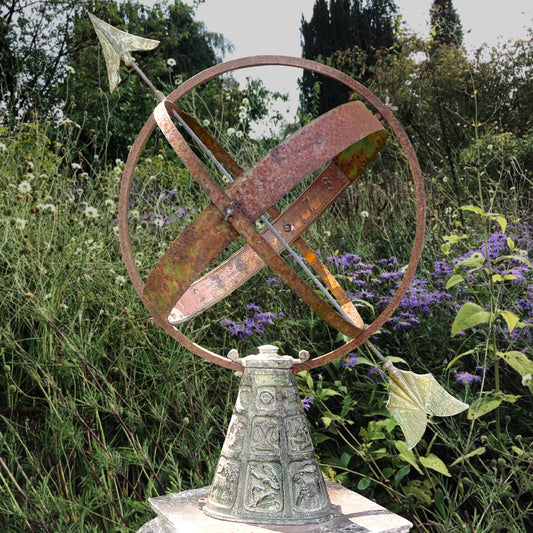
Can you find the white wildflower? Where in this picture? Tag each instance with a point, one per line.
(206, 123)
(239, 135)
(30, 176)
(76, 166)
(230, 131)
(24, 187)
(158, 222)
(90, 212)
(120, 280)
(20, 223)
(115, 230)
(3, 147)
(245, 102)
(171, 62)
(110, 203)
(69, 69)
(30, 164)
(364, 214)
(47, 207)
(134, 214)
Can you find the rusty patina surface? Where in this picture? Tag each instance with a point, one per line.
(247, 198)
(234, 210)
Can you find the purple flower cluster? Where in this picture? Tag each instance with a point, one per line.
(465, 378)
(349, 360)
(254, 325)
(307, 403)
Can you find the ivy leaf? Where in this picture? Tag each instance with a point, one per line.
(433, 462)
(469, 315)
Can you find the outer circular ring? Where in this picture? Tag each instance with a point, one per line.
(388, 117)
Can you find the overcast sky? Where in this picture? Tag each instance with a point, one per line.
(273, 27)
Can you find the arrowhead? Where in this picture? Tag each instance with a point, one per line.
(117, 45)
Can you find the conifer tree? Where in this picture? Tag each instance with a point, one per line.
(446, 26)
(339, 26)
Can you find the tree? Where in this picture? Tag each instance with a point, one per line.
(34, 40)
(110, 122)
(341, 26)
(445, 24)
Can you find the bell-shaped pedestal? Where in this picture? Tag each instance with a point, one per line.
(267, 472)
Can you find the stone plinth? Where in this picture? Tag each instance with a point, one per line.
(180, 513)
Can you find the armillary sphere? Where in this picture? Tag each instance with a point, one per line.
(343, 141)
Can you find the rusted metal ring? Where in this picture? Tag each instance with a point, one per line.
(386, 115)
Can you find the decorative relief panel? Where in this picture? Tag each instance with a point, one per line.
(225, 483)
(265, 435)
(298, 439)
(263, 487)
(308, 488)
(243, 399)
(266, 399)
(235, 436)
(288, 396)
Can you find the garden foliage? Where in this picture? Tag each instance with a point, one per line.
(100, 410)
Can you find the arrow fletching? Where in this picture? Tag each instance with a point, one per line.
(414, 396)
(117, 45)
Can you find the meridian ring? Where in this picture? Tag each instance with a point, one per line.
(384, 113)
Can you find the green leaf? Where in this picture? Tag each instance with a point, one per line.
(473, 209)
(407, 455)
(483, 405)
(327, 421)
(519, 258)
(419, 490)
(435, 463)
(454, 280)
(394, 359)
(345, 459)
(440, 502)
(476, 260)
(510, 243)
(402, 472)
(517, 360)
(469, 315)
(477, 451)
(502, 221)
(511, 319)
(510, 398)
(445, 248)
(364, 483)
(455, 359)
